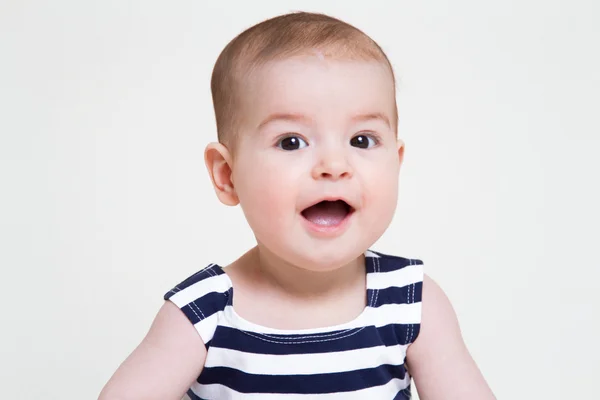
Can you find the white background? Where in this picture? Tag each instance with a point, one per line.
(105, 203)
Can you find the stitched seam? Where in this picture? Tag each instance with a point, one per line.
(315, 336)
(406, 391)
(301, 342)
(408, 302)
(208, 270)
(212, 270)
(412, 326)
(372, 292)
(198, 308)
(376, 292)
(209, 266)
(194, 311)
(412, 300)
(407, 327)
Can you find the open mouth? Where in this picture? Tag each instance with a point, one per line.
(328, 213)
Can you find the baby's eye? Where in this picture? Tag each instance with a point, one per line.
(363, 141)
(291, 143)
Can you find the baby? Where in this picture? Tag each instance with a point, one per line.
(307, 126)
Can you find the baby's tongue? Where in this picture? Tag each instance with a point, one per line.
(326, 213)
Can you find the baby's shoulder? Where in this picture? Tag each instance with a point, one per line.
(202, 297)
(208, 280)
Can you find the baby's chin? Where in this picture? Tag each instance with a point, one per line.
(320, 258)
(330, 264)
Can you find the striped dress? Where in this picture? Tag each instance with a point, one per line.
(361, 359)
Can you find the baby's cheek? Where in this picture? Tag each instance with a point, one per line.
(382, 197)
(267, 202)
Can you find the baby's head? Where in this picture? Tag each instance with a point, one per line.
(306, 119)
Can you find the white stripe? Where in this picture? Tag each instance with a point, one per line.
(306, 364)
(217, 283)
(399, 278)
(206, 328)
(369, 253)
(393, 314)
(378, 317)
(387, 391)
(232, 320)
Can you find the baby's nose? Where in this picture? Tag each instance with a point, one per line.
(332, 165)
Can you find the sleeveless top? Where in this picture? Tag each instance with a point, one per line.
(361, 359)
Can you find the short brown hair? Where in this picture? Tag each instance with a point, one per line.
(283, 36)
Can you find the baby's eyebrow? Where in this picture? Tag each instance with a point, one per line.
(284, 117)
(291, 117)
(372, 116)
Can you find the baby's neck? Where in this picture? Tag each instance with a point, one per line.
(277, 294)
(269, 271)
(299, 281)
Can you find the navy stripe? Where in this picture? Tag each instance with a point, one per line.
(390, 263)
(194, 396)
(404, 394)
(414, 333)
(302, 384)
(352, 339)
(205, 306)
(370, 265)
(208, 272)
(400, 295)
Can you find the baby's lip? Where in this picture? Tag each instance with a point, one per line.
(350, 203)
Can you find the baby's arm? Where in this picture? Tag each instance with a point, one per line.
(164, 365)
(438, 360)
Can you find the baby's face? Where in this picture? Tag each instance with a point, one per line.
(317, 159)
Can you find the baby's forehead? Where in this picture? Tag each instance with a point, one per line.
(313, 62)
(318, 88)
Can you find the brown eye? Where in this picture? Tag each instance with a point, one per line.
(291, 143)
(362, 141)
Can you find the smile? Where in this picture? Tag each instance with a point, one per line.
(328, 217)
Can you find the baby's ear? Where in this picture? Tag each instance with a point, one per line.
(218, 162)
(400, 151)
